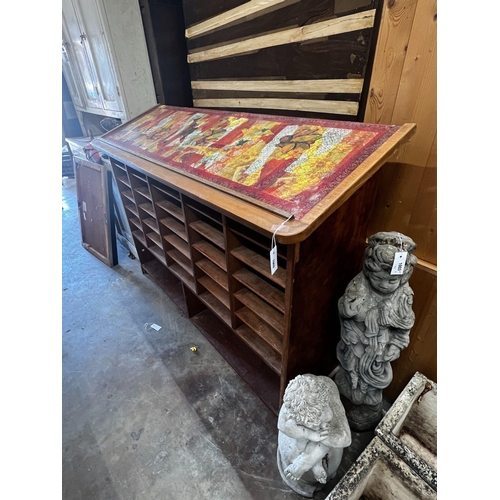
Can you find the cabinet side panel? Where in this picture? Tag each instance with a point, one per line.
(328, 260)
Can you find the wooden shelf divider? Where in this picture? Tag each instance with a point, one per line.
(268, 355)
(155, 238)
(128, 194)
(181, 260)
(178, 244)
(260, 264)
(219, 276)
(144, 191)
(264, 332)
(184, 276)
(262, 288)
(151, 222)
(217, 291)
(209, 232)
(148, 207)
(212, 253)
(176, 227)
(216, 306)
(124, 180)
(264, 311)
(172, 209)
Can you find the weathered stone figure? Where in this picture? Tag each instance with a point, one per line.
(313, 430)
(376, 317)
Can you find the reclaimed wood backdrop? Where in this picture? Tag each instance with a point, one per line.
(307, 58)
(356, 60)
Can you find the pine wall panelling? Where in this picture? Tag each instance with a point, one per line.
(403, 89)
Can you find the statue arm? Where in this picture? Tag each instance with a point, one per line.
(400, 313)
(339, 435)
(287, 425)
(350, 303)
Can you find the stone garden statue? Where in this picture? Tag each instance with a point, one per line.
(313, 430)
(376, 317)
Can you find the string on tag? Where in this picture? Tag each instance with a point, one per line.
(400, 242)
(273, 254)
(398, 265)
(273, 239)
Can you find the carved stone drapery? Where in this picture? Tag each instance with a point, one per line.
(376, 317)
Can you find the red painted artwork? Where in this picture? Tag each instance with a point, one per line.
(283, 163)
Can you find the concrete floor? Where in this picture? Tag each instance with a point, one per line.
(144, 417)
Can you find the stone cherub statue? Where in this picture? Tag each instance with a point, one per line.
(376, 317)
(313, 430)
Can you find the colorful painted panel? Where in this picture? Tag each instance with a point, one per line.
(287, 164)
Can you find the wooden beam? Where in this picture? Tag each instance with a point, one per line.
(314, 105)
(428, 267)
(340, 86)
(358, 21)
(250, 8)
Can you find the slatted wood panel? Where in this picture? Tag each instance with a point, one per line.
(307, 58)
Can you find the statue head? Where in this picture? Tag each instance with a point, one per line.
(379, 258)
(307, 399)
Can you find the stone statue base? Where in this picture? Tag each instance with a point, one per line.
(362, 417)
(307, 485)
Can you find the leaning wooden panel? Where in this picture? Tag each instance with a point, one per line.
(340, 57)
(310, 32)
(250, 8)
(346, 85)
(320, 106)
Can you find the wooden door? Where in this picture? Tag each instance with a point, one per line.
(96, 220)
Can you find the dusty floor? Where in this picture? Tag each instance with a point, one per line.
(144, 417)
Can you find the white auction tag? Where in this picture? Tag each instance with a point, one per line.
(398, 266)
(273, 254)
(274, 259)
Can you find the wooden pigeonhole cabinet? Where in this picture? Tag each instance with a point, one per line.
(206, 240)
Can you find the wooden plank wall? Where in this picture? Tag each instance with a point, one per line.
(300, 57)
(403, 89)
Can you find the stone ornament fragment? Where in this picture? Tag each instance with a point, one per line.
(313, 430)
(376, 317)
